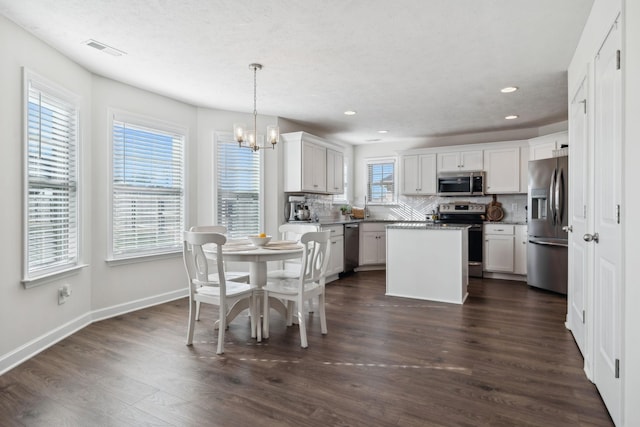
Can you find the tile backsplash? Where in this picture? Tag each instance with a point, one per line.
(415, 208)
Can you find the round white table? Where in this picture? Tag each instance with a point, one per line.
(258, 258)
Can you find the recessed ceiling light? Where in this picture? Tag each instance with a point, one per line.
(383, 131)
(511, 117)
(349, 113)
(104, 48)
(509, 89)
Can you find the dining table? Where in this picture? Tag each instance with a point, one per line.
(242, 250)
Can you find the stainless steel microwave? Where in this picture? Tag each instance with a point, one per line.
(461, 183)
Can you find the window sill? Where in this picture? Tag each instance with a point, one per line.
(48, 278)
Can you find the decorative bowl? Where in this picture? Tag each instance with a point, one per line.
(259, 241)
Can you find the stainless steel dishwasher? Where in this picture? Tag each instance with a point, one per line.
(351, 246)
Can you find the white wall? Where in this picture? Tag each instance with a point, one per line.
(120, 283)
(30, 314)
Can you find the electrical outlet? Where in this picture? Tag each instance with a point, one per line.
(63, 293)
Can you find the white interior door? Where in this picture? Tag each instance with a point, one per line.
(607, 197)
(579, 203)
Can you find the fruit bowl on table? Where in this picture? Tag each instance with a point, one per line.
(256, 240)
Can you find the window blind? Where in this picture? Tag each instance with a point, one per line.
(381, 182)
(147, 190)
(52, 199)
(238, 188)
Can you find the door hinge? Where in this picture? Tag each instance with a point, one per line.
(583, 316)
(617, 368)
(618, 59)
(618, 213)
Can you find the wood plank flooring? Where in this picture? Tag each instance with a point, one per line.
(504, 358)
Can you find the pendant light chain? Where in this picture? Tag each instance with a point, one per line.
(255, 102)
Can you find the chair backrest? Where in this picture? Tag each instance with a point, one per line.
(315, 257)
(195, 261)
(291, 231)
(210, 228)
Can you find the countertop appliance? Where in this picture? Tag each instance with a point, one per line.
(473, 215)
(470, 183)
(351, 246)
(547, 243)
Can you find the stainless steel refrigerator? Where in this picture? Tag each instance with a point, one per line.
(547, 215)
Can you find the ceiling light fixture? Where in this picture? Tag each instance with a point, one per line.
(249, 138)
(383, 131)
(512, 117)
(509, 89)
(349, 113)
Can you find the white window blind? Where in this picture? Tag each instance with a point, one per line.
(147, 189)
(381, 185)
(52, 192)
(238, 173)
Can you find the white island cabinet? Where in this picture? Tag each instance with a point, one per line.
(427, 262)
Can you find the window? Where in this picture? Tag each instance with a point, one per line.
(51, 174)
(238, 188)
(148, 194)
(381, 188)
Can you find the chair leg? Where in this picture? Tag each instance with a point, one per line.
(197, 310)
(291, 307)
(323, 316)
(222, 327)
(302, 324)
(192, 321)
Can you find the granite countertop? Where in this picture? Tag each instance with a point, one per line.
(425, 226)
(507, 222)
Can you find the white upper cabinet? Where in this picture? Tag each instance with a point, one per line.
(311, 167)
(418, 174)
(314, 168)
(502, 167)
(335, 172)
(542, 147)
(460, 161)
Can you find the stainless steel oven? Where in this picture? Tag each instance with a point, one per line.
(473, 215)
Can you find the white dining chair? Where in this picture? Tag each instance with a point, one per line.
(236, 276)
(309, 284)
(209, 285)
(290, 269)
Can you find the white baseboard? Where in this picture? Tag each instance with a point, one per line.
(127, 307)
(23, 353)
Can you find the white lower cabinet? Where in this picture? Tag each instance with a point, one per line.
(520, 250)
(498, 248)
(505, 248)
(336, 254)
(373, 243)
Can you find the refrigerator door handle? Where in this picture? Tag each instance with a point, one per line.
(559, 197)
(561, 245)
(552, 192)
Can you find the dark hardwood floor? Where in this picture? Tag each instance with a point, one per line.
(504, 358)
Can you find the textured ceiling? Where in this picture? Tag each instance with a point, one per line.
(417, 68)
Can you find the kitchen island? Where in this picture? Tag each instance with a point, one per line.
(427, 261)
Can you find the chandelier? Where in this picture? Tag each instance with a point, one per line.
(248, 138)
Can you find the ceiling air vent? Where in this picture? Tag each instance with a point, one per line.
(104, 48)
